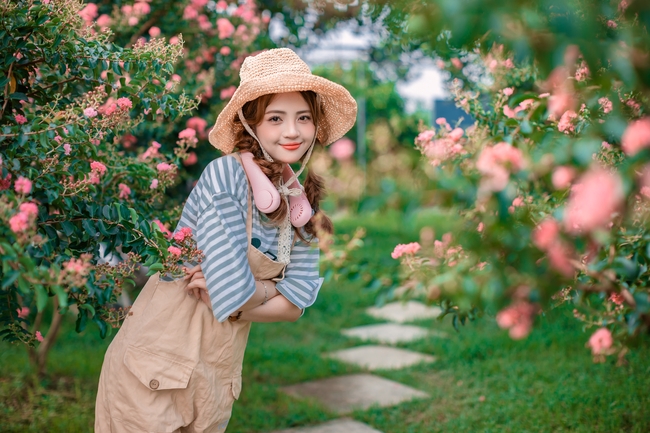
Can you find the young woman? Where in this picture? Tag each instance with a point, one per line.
(175, 365)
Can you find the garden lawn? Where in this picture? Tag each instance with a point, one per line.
(481, 381)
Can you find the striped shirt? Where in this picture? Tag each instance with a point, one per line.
(216, 211)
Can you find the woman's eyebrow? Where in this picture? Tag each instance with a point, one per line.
(284, 112)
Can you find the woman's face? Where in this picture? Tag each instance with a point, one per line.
(287, 128)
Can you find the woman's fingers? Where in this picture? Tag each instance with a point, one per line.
(189, 272)
(198, 274)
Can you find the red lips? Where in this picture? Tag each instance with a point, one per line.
(291, 146)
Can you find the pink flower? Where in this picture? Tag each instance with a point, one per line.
(163, 166)
(20, 119)
(636, 136)
(154, 32)
(508, 64)
(508, 91)
(125, 191)
(141, 8)
(191, 159)
(342, 149)
(39, 336)
(402, 249)
(182, 234)
(124, 103)
(228, 92)
(623, 5)
(225, 28)
(31, 209)
(23, 185)
(480, 227)
(593, 200)
(457, 63)
(225, 51)
(526, 104)
(98, 167)
(456, 134)
(425, 136)
(67, 149)
(76, 266)
(174, 250)
(645, 191)
(154, 184)
(152, 151)
(174, 40)
(518, 318)
(546, 233)
(565, 125)
(189, 13)
(560, 103)
(162, 228)
(222, 5)
(187, 133)
(23, 312)
(605, 104)
(497, 162)
(441, 121)
(132, 21)
(197, 124)
(19, 222)
(103, 21)
(611, 24)
(562, 177)
(90, 112)
(600, 341)
(89, 12)
(617, 298)
(511, 113)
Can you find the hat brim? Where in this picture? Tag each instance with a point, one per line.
(339, 107)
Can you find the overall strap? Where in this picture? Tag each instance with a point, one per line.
(249, 214)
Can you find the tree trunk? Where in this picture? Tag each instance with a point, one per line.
(38, 355)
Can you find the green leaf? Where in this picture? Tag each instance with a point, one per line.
(134, 216)
(89, 227)
(156, 267)
(9, 278)
(41, 298)
(88, 308)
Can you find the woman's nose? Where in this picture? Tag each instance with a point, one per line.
(290, 130)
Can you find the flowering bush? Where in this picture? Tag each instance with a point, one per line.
(71, 196)
(552, 182)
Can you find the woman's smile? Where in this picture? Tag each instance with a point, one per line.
(291, 146)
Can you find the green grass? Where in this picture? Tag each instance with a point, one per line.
(481, 382)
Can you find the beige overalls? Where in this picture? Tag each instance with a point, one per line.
(172, 367)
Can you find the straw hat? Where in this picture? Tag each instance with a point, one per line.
(281, 71)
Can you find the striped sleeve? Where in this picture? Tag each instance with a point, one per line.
(221, 234)
(301, 281)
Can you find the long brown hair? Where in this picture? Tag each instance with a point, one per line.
(314, 185)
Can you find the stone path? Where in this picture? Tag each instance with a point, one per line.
(391, 333)
(380, 357)
(343, 425)
(344, 394)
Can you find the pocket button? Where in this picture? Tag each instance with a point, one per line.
(154, 384)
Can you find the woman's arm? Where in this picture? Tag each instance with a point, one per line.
(278, 309)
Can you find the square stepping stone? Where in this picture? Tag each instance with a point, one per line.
(402, 312)
(344, 394)
(380, 357)
(391, 333)
(343, 425)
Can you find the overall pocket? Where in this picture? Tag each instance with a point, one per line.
(151, 392)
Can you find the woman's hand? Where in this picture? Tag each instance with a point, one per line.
(197, 285)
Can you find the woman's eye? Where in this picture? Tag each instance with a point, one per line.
(305, 118)
(274, 119)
